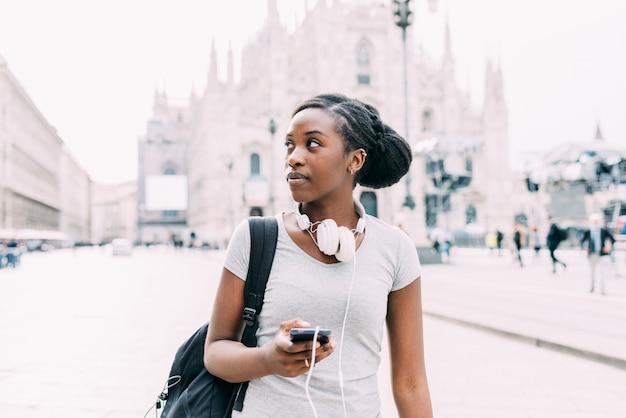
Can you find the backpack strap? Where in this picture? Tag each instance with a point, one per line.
(263, 237)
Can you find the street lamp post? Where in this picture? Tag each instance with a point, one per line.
(403, 18)
(272, 129)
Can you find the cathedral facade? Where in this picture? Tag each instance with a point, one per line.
(234, 146)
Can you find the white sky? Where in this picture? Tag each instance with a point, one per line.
(91, 67)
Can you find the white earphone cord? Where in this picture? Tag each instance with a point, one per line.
(343, 329)
(310, 372)
(312, 363)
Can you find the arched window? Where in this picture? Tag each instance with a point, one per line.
(255, 164)
(363, 65)
(370, 203)
(470, 214)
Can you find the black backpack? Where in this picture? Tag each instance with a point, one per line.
(191, 391)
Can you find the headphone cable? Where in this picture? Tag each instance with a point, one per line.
(310, 372)
(343, 330)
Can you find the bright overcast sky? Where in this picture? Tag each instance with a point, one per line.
(91, 67)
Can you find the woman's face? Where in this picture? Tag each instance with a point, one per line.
(316, 162)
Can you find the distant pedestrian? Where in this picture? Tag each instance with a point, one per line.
(598, 243)
(491, 241)
(518, 239)
(446, 246)
(499, 238)
(553, 239)
(436, 246)
(535, 238)
(14, 253)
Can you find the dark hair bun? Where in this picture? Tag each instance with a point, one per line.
(390, 160)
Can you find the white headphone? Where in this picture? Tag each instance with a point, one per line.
(331, 239)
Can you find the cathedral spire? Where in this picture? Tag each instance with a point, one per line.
(272, 12)
(230, 70)
(448, 41)
(448, 59)
(213, 63)
(598, 133)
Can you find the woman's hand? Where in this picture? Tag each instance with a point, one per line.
(289, 359)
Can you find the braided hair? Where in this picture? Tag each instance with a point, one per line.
(388, 154)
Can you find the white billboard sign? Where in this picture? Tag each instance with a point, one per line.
(166, 192)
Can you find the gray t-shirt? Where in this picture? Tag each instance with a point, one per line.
(300, 286)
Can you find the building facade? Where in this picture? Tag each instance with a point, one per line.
(235, 150)
(162, 178)
(44, 192)
(113, 212)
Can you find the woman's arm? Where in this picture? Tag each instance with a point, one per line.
(226, 357)
(406, 348)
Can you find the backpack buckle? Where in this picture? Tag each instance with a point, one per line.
(249, 315)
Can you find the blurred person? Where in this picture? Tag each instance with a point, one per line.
(3, 254)
(491, 241)
(535, 238)
(499, 239)
(598, 243)
(14, 253)
(447, 245)
(553, 239)
(518, 239)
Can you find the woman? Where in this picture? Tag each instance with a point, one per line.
(333, 143)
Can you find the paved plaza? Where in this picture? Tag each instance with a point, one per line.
(84, 334)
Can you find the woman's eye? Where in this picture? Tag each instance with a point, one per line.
(312, 143)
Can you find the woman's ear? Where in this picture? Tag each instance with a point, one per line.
(358, 157)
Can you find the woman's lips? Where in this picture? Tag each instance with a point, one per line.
(296, 178)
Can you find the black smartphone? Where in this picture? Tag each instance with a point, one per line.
(306, 334)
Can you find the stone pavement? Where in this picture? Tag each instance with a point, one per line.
(563, 355)
(84, 334)
(531, 303)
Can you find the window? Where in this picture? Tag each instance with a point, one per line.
(427, 120)
(363, 65)
(255, 164)
(434, 166)
(470, 215)
(436, 203)
(430, 203)
(370, 203)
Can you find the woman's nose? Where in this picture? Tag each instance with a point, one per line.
(295, 157)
